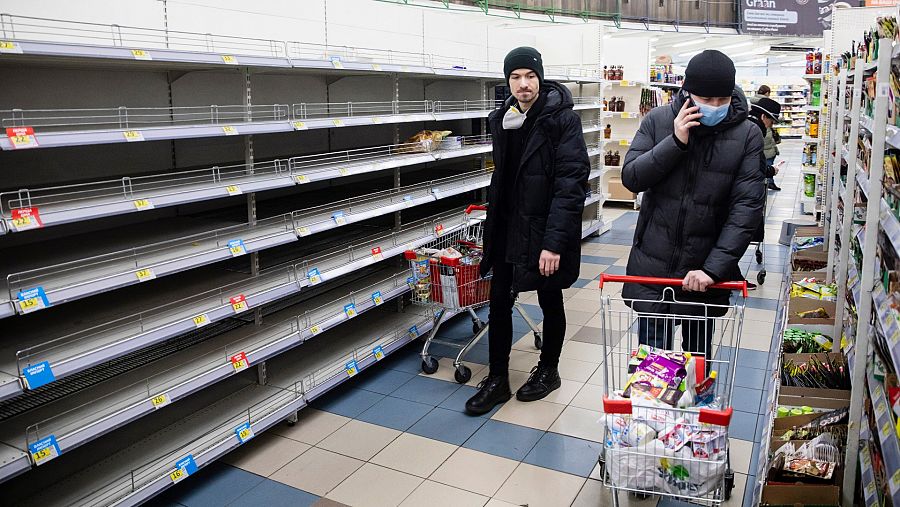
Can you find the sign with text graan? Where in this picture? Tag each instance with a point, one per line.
(787, 17)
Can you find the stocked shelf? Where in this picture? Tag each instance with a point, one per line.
(890, 450)
(85, 275)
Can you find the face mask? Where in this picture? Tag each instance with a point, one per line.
(513, 119)
(712, 115)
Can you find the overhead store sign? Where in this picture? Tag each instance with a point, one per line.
(787, 17)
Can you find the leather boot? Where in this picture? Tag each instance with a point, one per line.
(543, 381)
(492, 391)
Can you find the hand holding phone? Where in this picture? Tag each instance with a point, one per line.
(686, 120)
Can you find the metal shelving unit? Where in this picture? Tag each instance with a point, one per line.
(624, 125)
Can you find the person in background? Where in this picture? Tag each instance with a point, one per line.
(532, 235)
(697, 160)
(771, 138)
(763, 92)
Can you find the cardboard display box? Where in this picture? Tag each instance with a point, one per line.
(617, 189)
(797, 305)
(842, 400)
(816, 254)
(801, 495)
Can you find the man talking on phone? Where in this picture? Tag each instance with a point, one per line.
(697, 160)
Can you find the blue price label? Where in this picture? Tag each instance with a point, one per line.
(352, 368)
(37, 375)
(414, 332)
(350, 310)
(236, 247)
(44, 450)
(314, 276)
(32, 300)
(244, 432)
(378, 352)
(377, 298)
(339, 218)
(184, 468)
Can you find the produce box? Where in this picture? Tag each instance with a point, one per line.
(798, 305)
(811, 259)
(816, 402)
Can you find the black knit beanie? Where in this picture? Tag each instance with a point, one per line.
(710, 74)
(523, 58)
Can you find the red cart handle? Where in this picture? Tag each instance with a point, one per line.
(475, 207)
(669, 282)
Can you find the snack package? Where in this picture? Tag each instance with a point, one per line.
(649, 381)
(677, 437)
(638, 434)
(664, 367)
(706, 390)
(818, 313)
(808, 468)
(709, 444)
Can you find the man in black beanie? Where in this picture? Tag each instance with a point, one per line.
(532, 238)
(697, 161)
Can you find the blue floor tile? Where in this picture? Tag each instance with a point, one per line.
(743, 426)
(409, 362)
(565, 454)
(347, 402)
(761, 303)
(615, 270)
(746, 399)
(275, 494)
(582, 283)
(596, 259)
(534, 312)
(503, 439)
(477, 355)
(425, 390)
(395, 413)
(607, 240)
(753, 358)
(457, 401)
(383, 380)
(447, 425)
(753, 378)
(216, 485)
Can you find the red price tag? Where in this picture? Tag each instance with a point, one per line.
(26, 218)
(239, 303)
(21, 137)
(376, 253)
(239, 361)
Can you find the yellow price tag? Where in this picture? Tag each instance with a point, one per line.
(239, 365)
(7, 46)
(299, 125)
(315, 330)
(870, 489)
(338, 122)
(239, 307)
(21, 222)
(344, 171)
(142, 204)
(867, 459)
(376, 120)
(42, 454)
(133, 135)
(623, 142)
(376, 67)
(160, 400)
(404, 69)
(378, 300)
(177, 475)
(233, 190)
(625, 83)
(337, 64)
(880, 408)
(228, 130)
(303, 231)
(301, 178)
(28, 304)
(229, 59)
(626, 115)
(200, 320)
(886, 429)
(895, 480)
(145, 274)
(23, 141)
(245, 433)
(140, 54)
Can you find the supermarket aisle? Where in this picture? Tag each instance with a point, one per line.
(397, 437)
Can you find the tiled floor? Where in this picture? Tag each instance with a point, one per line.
(396, 437)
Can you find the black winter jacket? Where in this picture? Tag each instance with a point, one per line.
(701, 204)
(548, 188)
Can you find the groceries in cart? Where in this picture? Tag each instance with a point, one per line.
(449, 276)
(666, 379)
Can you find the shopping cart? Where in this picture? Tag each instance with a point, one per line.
(446, 279)
(667, 413)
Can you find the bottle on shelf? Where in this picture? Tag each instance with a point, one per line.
(817, 64)
(605, 73)
(615, 159)
(605, 105)
(607, 132)
(620, 105)
(607, 159)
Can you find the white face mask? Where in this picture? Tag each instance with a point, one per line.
(513, 119)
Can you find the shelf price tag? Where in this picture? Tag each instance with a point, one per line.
(315, 330)
(378, 353)
(350, 310)
(880, 409)
(376, 120)
(376, 67)
(142, 204)
(160, 400)
(377, 298)
(886, 430)
(336, 62)
(228, 130)
(26, 218)
(184, 468)
(299, 125)
(411, 282)
(625, 83)
(239, 303)
(145, 274)
(623, 142)
(439, 230)
(314, 277)
(337, 122)
(414, 332)
(229, 60)
(32, 300)
(22, 137)
(352, 368)
(408, 200)
(234, 190)
(37, 375)
(200, 320)
(626, 115)
(44, 450)
(8, 46)
(301, 179)
(140, 54)
(376, 253)
(344, 171)
(133, 135)
(236, 247)
(303, 231)
(339, 218)
(239, 361)
(870, 489)
(895, 481)
(244, 432)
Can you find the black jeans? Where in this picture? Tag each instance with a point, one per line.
(500, 332)
(696, 334)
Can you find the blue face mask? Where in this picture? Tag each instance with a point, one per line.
(712, 115)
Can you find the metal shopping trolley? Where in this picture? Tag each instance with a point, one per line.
(667, 410)
(446, 278)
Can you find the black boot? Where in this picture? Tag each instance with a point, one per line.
(773, 186)
(492, 391)
(543, 381)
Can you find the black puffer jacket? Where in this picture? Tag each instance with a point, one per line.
(548, 188)
(701, 205)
